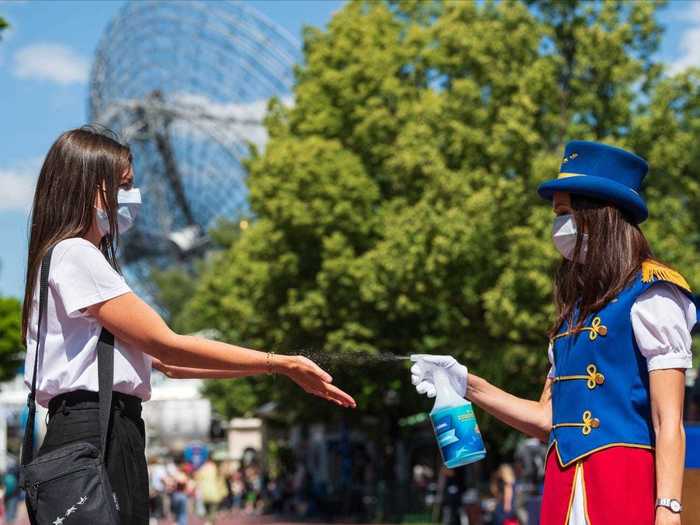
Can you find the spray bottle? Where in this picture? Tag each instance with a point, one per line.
(455, 424)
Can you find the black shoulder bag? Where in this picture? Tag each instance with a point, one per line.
(69, 484)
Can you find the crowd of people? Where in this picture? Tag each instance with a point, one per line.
(178, 490)
(214, 489)
(513, 496)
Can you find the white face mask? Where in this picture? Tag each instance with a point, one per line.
(564, 237)
(128, 202)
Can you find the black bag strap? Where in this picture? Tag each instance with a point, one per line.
(105, 375)
(28, 441)
(105, 372)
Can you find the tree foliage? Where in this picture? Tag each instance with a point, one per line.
(11, 348)
(3, 26)
(395, 207)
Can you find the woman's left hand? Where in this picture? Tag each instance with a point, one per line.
(313, 379)
(665, 517)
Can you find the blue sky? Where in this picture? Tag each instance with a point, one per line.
(45, 57)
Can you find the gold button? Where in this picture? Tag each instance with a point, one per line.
(599, 379)
(602, 330)
(595, 422)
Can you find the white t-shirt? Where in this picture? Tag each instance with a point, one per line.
(662, 318)
(80, 277)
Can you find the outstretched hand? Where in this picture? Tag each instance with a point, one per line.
(422, 373)
(314, 380)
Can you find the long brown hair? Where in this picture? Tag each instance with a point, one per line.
(79, 164)
(616, 248)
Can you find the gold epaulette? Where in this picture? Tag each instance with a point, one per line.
(654, 270)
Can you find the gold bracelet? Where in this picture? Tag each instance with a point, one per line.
(269, 357)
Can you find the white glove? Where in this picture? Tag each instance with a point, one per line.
(422, 373)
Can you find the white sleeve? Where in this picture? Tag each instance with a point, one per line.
(662, 318)
(550, 355)
(83, 277)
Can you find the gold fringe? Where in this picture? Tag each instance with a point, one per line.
(653, 270)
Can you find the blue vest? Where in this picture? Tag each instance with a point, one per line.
(600, 395)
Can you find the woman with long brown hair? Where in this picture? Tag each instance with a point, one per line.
(84, 199)
(612, 402)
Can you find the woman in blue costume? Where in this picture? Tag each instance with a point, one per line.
(611, 407)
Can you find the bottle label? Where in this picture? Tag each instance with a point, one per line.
(458, 435)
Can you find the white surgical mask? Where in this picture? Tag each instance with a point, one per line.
(128, 203)
(564, 237)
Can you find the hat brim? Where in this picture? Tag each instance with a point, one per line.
(601, 188)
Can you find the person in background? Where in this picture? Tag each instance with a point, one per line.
(502, 487)
(256, 484)
(237, 484)
(529, 460)
(226, 470)
(179, 498)
(452, 487)
(303, 501)
(210, 487)
(156, 481)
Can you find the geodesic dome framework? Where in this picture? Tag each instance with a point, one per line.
(186, 84)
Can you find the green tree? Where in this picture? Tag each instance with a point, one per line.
(11, 348)
(3, 26)
(395, 207)
(172, 288)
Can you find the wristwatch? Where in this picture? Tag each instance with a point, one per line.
(672, 504)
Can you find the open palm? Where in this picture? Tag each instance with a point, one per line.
(314, 380)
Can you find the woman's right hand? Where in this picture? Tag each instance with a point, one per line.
(312, 379)
(422, 373)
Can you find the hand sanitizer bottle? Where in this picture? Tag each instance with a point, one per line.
(455, 424)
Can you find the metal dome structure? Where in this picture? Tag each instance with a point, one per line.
(186, 84)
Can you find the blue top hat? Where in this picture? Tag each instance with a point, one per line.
(602, 172)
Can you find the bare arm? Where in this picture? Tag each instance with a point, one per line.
(507, 496)
(667, 392)
(533, 418)
(132, 320)
(183, 372)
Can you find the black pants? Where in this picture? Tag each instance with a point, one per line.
(75, 417)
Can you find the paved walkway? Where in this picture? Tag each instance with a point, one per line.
(246, 519)
(224, 519)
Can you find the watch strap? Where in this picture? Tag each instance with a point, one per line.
(671, 504)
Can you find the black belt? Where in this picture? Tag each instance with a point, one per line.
(128, 405)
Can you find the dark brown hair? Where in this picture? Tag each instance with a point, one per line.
(616, 248)
(79, 164)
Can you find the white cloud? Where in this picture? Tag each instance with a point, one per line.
(197, 117)
(689, 40)
(17, 183)
(227, 122)
(52, 62)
